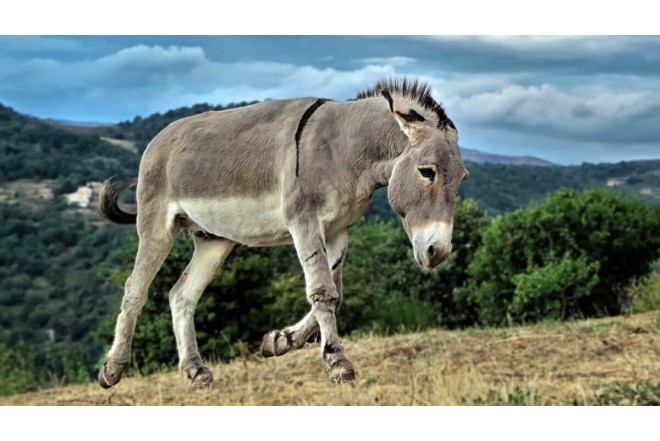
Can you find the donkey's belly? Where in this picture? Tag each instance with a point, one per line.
(253, 222)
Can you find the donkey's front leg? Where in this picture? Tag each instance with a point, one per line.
(323, 295)
(294, 337)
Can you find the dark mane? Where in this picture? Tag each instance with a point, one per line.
(412, 89)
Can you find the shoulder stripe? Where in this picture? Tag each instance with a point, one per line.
(301, 125)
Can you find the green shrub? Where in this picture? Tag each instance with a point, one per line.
(399, 313)
(640, 393)
(571, 256)
(644, 293)
(19, 371)
(549, 292)
(516, 396)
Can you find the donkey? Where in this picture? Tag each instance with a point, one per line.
(295, 171)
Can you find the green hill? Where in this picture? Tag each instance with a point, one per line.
(141, 130)
(501, 188)
(54, 258)
(504, 187)
(33, 149)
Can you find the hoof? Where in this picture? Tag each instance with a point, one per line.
(274, 343)
(202, 378)
(110, 374)
(342, 371)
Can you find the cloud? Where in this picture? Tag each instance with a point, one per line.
(487, 84)
(142, 65)
(563, 47)
(391, 61)
(145, 79)
(544, 109)
(298, 82)
(17, 46)
(548, 55)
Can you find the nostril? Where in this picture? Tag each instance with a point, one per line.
(430, 251)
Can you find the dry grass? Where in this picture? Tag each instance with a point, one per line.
(550, 365)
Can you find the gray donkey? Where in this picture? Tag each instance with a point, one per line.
(295, 171)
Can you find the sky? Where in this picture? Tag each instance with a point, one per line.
(565, 99)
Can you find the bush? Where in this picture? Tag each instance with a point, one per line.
(644, 294)
(571, 256)
(401, 313)
(640, 393)
(548, 292)
(19, 371)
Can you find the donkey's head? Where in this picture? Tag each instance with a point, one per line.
(425, 180)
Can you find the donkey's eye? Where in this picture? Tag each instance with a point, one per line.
(427, 173)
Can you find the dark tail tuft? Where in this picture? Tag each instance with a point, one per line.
(108, 202)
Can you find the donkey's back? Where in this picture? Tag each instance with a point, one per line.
(235, 152)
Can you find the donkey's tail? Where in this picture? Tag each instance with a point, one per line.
(108, 202)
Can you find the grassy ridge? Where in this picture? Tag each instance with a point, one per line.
(614, 361)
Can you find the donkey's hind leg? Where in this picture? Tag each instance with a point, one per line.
(210, 253)
(153, 248)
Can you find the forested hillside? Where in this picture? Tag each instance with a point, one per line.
(504, 187)
(33, 149)
(62, 267)
(501, 188)
(142, 130)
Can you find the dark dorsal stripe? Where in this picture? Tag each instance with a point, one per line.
(301, 125)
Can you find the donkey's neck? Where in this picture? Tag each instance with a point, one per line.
(378, 141)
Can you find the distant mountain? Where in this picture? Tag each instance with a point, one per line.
(76, 124)
(492, 158)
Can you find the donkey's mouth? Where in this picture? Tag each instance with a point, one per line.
(432, 244)
(431, 256)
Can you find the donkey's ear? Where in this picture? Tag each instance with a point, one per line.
(408, 119)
